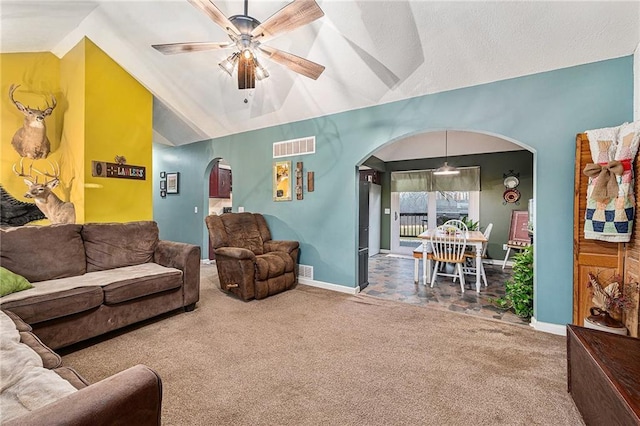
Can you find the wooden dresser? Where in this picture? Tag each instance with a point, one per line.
(604, 376)
(603, 259)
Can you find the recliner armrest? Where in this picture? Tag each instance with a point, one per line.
(286, 246)
(235, 253)
(131, 397)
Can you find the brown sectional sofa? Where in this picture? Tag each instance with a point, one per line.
(39, 390)
(94, 278)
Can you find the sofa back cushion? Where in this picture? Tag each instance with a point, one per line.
(114, 245)
(41, 253)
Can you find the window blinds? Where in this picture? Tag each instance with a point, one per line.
(426, 181)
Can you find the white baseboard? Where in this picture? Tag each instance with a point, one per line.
(329, 286)
(385, 251)
(207, 262)
(549, 327)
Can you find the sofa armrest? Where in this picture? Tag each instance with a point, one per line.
(286, 246)
(131, 397)
(185, 257)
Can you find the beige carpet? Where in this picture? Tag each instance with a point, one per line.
(311, 357)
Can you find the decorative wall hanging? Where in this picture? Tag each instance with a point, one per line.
(511, 182)
(31, 139)
(299, 179)
(310, 182)
(610, 201)
(173, 183)
(117, 170)
(56, 210)
(282, 181)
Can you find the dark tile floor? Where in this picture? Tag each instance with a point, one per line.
(391, 277)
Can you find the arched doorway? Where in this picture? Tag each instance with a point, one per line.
(496, 156)
(220, 191)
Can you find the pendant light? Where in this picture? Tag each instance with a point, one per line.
(446, 169)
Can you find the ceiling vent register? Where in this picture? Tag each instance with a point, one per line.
(294, 147)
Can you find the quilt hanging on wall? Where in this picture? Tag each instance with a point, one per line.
(610, 192)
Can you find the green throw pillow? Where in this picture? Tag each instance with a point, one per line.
(11, 283)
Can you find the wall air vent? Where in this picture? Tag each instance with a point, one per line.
(305, 271)
(294, 147)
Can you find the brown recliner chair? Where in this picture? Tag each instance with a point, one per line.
(250, 264)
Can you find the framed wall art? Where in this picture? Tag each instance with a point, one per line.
(173, 186)
(282, 181)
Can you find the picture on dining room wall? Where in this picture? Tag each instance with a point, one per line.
(172, 183)
(282, 181)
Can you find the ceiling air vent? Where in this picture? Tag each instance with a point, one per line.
(294, 147)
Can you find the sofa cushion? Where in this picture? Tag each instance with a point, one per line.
(41, 253)
(26, 385)
(50, 359)
(132, 288)
(72, 376)
(50, 305)
(113, 245)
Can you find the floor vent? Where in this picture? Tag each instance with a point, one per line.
(305, 271)
(294, 147)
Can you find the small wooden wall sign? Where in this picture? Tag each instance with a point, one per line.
(114, 170)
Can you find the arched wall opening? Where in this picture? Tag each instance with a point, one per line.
(496, 155)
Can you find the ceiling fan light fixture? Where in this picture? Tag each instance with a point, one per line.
(229, 64)
(261, 72)
(247, 53)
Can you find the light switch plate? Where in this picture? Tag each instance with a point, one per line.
(387, 211)
(240, 209)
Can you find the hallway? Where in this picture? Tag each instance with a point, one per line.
(391, 277)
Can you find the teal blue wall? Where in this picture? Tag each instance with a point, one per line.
(542, 112)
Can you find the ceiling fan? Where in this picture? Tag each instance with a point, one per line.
(247, 35)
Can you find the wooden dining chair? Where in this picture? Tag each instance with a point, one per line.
(469, 267)
(448, 248)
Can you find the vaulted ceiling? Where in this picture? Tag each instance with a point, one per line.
(374, 52)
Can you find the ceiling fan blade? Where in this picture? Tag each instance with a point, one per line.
(216, 15)
(173, 48)
(290, 17)
(293, 62)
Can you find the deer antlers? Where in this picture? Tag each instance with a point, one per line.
(55, 175)
(21, 106)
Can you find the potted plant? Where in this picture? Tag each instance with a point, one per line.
(519, 289)
(471, 225)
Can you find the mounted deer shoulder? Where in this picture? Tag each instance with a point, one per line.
(31, 139)
(56, 210)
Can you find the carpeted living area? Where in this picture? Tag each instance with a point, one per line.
(310, 356)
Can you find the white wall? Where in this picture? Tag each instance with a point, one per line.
(636, 83)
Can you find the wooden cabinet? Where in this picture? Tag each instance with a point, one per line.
(603, 371)
(220, 182)
(603, 259)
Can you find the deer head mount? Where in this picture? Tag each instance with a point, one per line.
(56, 210)
(31, 139)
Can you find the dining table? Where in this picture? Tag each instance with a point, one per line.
(475, 239)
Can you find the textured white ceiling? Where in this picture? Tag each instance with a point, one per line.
(374, 52)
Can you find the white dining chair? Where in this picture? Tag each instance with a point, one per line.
(469, 267)
(448, 248)
(456, 223)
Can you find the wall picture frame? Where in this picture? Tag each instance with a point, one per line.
(282, 181)
(163, 175)
(163, 185)
(173, 183)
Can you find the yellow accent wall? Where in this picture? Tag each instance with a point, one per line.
(38, 75)
(102, 112)
(118, 121)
